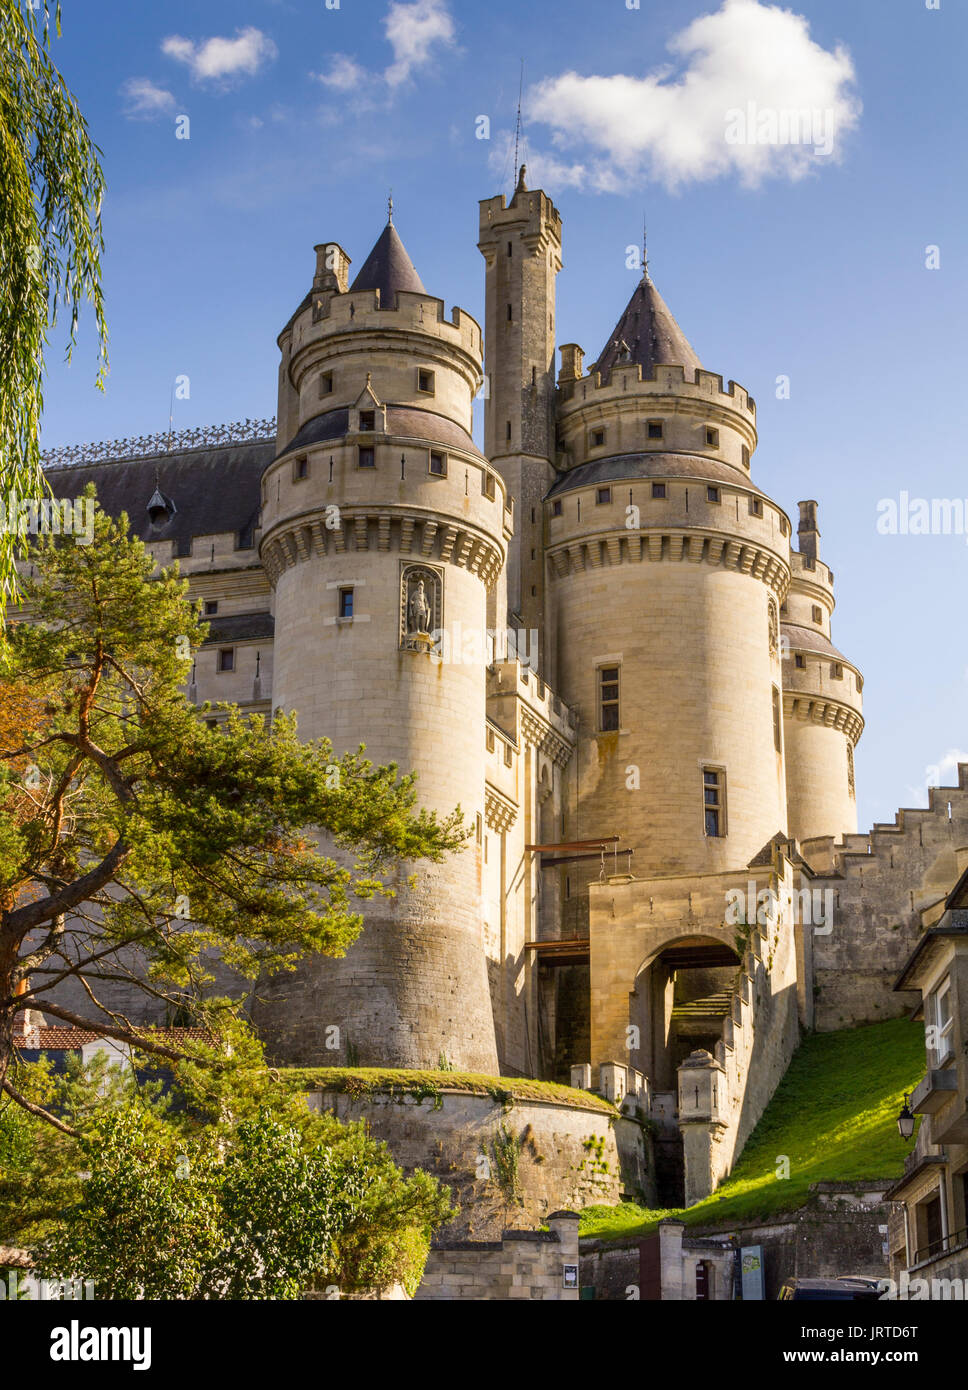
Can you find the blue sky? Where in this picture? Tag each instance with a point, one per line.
(776, 260)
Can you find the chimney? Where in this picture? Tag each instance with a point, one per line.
(808, 533)
(572, 362)
(332, 268)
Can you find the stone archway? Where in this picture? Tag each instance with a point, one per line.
(679, 999)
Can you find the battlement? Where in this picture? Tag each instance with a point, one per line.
(700, 385)
(808, 570)
(331, 313)
(530, 207)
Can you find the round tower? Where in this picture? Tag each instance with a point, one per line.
(669, 566)
(383, 530)
(822, 698)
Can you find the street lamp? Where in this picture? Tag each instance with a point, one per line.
(905, 1121)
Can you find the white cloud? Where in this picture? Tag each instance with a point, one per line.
(413, 31)
(943, 773)
(345, 74)
(730, 104)
(144, 101)
(218, 59)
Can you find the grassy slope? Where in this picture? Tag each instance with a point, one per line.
(834, 1116)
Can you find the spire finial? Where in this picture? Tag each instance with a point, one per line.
(390, 209)
(645, 253)
(517, 129)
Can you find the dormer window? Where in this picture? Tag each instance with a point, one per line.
(160, 508)
(367, 421)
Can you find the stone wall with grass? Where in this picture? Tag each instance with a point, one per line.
(511, 1152)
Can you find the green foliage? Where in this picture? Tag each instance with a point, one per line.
(51, 188)
(225, 1185)
(504, 1156)
(833, 1115)
(144, 828)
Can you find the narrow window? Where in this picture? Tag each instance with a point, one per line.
(658, 489)
(809, 563)
(712, 494)
(608, 698)
(799, 661)
(487, 484)
(226, 659)
(943, 1021)
(746, 457)
(510, 313)
(714, 801)
(597, 439)
(302, 467)
(603, 494)
(345, 603)
(509, 432)
(556, 507)
(425, 381)
(817, 613)
(777, 720)
(784, 526)
(655, 429)
(836, 671)
(211, 723)
(366, 458)
(756, 506)
(326, 384)
(712, 438)
(367, 421)
(438, 465)
(211, 606)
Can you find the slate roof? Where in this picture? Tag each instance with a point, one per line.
(626, 467)
(403, 420)
(808, 640)
(239, 627)
(388, 269)
(66, 1039)
(651, 334)
(214, 490)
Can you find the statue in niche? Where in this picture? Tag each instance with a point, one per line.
(420, 607)
(420, 613)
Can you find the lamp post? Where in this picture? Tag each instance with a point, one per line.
(905, 1121)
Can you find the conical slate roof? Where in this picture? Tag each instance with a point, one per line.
(650, 335)
(388, 269)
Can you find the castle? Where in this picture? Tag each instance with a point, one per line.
(600, 638)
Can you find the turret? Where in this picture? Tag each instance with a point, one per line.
(521, 245)
(383, 530)
(822, 698)
(669, 565)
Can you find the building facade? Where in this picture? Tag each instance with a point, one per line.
(598, 636)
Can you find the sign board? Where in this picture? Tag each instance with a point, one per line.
(752, 1273)
(570, 1277)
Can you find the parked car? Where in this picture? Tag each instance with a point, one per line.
(845, 1289)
